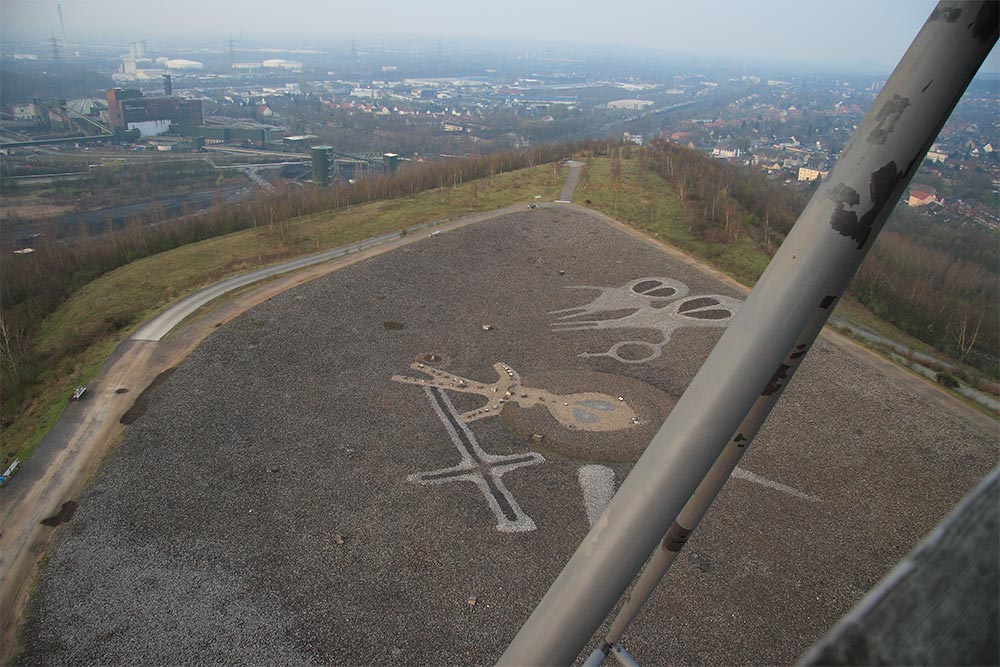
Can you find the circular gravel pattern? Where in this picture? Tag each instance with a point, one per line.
(650, 405)
(258, 511)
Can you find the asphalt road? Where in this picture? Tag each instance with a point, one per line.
(283, 495)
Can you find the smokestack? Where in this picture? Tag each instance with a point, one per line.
(62, 25)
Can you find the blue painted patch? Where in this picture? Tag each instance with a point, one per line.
(598, 405)
(584, 417)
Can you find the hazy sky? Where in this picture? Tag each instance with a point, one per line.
(831, 31)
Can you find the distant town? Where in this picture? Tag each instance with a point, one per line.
(310, 115)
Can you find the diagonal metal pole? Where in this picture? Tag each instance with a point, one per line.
(810, 271)
(698, 504)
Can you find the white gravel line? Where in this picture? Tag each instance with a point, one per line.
(598, 484)
(740, 473)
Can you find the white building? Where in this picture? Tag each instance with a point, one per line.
(630, 104)
(726, 153)
(280, 63)
(27, 111)
(180, 63)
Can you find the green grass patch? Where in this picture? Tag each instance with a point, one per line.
(645, 201)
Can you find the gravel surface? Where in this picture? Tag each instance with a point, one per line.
(258, 512)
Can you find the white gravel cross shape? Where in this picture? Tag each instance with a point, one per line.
(479, 467)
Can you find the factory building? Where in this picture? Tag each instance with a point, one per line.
(181, 63)
(27, 112)
(128, 109)
(630, 104)
(323, 164)
(281, 63)
(391, 162)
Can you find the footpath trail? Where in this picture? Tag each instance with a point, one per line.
(920, 363)
(566, 195)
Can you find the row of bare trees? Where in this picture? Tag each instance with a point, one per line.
(941, 299)
(718, 194)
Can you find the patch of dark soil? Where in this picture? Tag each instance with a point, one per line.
(64, 514)
(138, 408)
(393, 325)
(701, 561)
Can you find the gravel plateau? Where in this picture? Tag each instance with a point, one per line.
(258, 510)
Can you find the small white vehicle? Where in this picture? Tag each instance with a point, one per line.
(5, 477)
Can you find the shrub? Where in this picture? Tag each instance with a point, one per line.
(947, 380)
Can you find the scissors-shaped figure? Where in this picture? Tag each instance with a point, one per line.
(661, 304)
(588, 411)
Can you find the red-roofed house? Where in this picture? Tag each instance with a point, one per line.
(921, 198)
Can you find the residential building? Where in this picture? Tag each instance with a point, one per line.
(921, 198)
(807, 174)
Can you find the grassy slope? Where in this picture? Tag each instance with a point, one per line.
(648, 203)
(124, 298)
